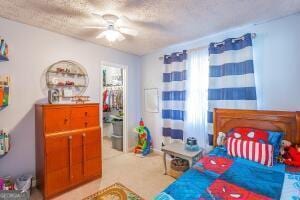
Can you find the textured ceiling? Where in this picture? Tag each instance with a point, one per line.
(159, 22)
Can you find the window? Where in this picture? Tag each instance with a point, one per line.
(196, 102)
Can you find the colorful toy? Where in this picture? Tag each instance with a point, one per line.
(144, 145)
(290, 154)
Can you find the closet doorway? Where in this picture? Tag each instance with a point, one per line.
(113, 84)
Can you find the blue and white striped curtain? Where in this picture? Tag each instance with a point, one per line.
(174, 95)
(231, 77)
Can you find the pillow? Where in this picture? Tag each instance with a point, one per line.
(250, 134)
(275, 140)
(250, 150)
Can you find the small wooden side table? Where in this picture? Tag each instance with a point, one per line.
(177, 149)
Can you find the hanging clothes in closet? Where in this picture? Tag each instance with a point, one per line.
(112, 99)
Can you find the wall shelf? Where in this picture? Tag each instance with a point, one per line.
(65, 86)
(67, 76)
(67, 73)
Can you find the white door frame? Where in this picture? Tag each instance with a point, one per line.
(125, 87)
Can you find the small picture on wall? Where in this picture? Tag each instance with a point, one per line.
(151, 100)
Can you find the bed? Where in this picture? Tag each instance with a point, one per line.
(221, 176)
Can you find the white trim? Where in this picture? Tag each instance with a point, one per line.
(174, 124)
(245, 80)
(125, 102)
(231, 57)
(173, 105)
(175, 67)
(174, 86)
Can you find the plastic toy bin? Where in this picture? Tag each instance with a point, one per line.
(117, 142)
(117, 128)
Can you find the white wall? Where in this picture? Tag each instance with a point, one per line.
(31, 51)
(276, 60)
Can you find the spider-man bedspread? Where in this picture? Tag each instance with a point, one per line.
(217, 176)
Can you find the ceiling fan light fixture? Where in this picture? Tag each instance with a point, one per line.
(111, 35)
(113, 31)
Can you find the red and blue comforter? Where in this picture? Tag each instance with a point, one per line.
(218, 176)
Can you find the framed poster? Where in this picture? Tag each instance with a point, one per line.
(151, 100)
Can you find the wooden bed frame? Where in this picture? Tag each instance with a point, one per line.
(286, 122)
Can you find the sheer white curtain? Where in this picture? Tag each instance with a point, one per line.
(196, 102)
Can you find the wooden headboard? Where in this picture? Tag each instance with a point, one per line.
(286, 122)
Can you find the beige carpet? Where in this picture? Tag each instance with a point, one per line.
(142, 175)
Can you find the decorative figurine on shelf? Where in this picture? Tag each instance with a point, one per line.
(60, 70)
(144, 145)
(53, 96)
(80, 99)
(71, 83)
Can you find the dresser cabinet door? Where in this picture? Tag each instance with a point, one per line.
(92, 153)
(58, 154)
(57, 119)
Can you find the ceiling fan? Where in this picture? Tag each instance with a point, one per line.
(112, 30)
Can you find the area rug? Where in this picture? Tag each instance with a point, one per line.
(116, 191)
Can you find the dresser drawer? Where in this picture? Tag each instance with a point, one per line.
(56, 119)
(85, 111)
(80, 123)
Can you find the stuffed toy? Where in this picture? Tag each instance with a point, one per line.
(284, 147)
(221, 139)
(293, 156)
(290, 154)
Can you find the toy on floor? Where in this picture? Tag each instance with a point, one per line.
(144, 145)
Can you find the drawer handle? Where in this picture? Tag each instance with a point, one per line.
(70, 157)
(83, 152)
(86, 124)
(86, 113)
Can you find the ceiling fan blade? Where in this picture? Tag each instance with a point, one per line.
(121, 37)
(125, 21)
(96, 27)
(99, 18)
(97, 15)
(128, 31)
(101, 35)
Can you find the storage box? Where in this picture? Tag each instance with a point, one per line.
(175, 174)
(118, 128)
(117, 142)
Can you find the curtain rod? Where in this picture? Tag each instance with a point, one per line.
(253, 36)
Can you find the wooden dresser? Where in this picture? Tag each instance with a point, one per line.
(68, 146)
